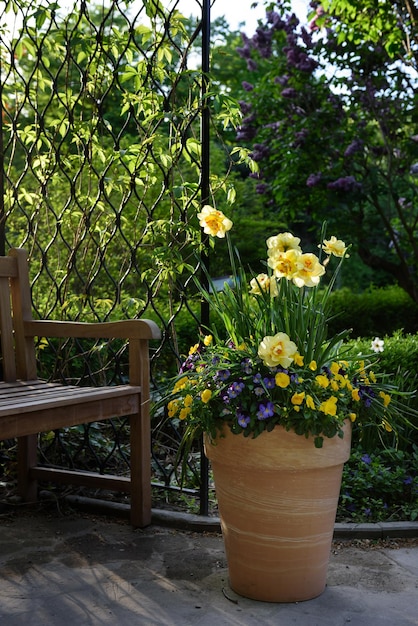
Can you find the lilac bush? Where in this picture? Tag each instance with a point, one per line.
(331, 125)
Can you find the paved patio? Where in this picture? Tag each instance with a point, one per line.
(76, 569)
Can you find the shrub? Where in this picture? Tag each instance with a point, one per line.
(379, 487)
(373, 312)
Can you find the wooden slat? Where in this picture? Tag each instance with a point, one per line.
(8, 266)
(21, 398)
(6, 330)
(68, 414)
(79, 477)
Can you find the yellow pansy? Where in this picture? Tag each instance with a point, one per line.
(180, 384)
(282, 380)
(184, 413)
(206, 395)
(355, 395)
(310, 402)
(387, 426)
(329, 407)
(173, 407)
(194, 348)
(335, 368)
(334, 384)
(322, 380)
(313, 366)
(188, 400)
(297, 398)
(298, 359)
(385, 397)
(352, 417)
(207, 340)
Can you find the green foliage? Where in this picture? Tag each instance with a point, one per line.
(399, 364)
(374, 312)
(381, 486)
(274, 362)
(333, 148)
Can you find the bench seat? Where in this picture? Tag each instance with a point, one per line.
(29, 405)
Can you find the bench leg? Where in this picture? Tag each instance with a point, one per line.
(140, 439)
(27, 455)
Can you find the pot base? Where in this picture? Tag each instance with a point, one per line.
(278, 519)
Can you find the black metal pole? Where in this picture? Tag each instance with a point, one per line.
(204, 199)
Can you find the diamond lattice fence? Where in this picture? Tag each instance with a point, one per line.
(101, 169)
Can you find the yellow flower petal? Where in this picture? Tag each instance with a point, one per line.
(282, 380)
(206, 395)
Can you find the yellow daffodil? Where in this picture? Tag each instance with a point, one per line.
(309, 271)
(284, 264)
(387, 426)
(283, 242)
(264, 283)
(334, 246)
(277, 350)
(352, 417)
(214, 222)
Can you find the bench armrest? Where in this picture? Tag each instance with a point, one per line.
(121, 329)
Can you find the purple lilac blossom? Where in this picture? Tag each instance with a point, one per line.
(345, 183)
(313, 179)
(247, 86)
(245, 107)
(281, 80)
(289, 92)
(355, 146)
(261, 188)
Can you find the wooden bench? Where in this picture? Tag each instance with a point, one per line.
(29, 406)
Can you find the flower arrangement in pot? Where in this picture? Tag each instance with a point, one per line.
(275, 398)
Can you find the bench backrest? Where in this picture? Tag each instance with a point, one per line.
(18, 352)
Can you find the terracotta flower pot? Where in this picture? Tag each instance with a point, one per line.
(277, 497)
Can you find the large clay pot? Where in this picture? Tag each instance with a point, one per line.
(277, 496)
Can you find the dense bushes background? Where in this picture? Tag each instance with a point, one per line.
(375, 312)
